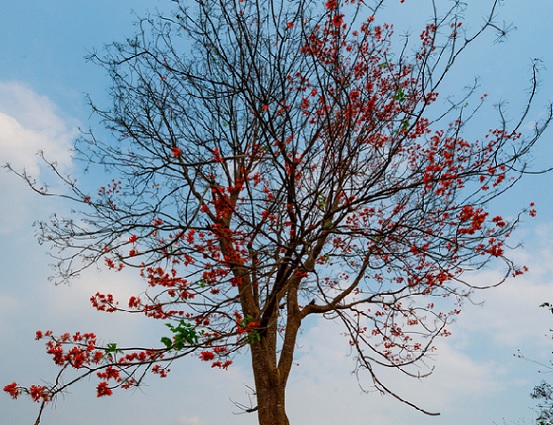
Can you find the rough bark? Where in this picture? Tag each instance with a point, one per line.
(270, 388)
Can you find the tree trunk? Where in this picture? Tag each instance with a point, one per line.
(271, 370)
(270, 387)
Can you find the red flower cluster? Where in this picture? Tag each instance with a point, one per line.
(39, 393)
(84, 353)
(110, 373)
(104, 302)
(207, 356)
(176, 152)
(103, 389)
(13, 390)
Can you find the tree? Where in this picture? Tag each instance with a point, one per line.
(277, 160)
(544, 391)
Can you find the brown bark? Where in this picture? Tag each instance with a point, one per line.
(270, 389)
(271, 370)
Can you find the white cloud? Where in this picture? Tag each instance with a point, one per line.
(29, 123)
(323, 390)
(322, 380)
(510, 315)
(194, 420)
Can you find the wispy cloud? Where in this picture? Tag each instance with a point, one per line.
(29, 123)
(194, 420)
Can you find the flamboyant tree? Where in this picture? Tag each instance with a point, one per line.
(274, 160)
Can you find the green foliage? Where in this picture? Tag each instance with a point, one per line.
(248, 325)
(111, 349)
(400, 95)
(183, 334)
(321, 202)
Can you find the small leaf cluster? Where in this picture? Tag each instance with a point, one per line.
(249, 327)
(183, 334)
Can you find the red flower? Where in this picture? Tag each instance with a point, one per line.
(103, 389)
(110, 373)
(134, 302)
(37, 393)
(290, 25)
(338, 19)
(132, 238)
(207, 356)
(12, 390)
(499, 222)
(177, 152)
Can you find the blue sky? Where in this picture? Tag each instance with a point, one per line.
(477, 379)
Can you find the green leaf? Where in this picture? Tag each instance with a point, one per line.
(400, 95)
(179, 342)
(184, 334)
(167, 342)
(112, 348)
(252, 337)
(321, 201)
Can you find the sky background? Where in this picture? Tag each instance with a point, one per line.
(477, 378)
